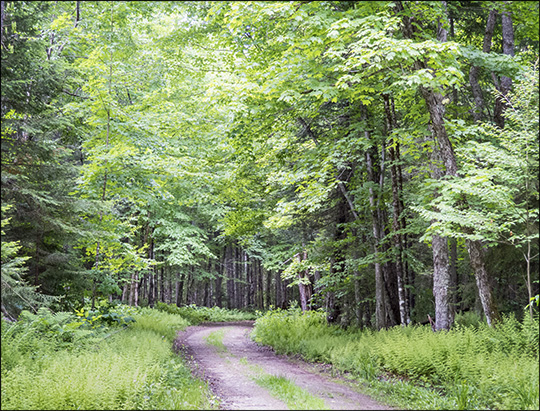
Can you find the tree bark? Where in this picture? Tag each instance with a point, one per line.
(476, 255)
(3, 14)
(151, 276)
(179, 289)
(453, 287)
(506, 82)
(396, 220)
(380, 297)
(134, 290)
(478, 111)
(77, 12)
(229, 275)
(162, 295)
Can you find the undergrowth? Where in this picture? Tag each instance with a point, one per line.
(73, 361)
(196, 315)
(468, 367)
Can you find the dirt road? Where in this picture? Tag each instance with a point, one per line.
(225, 356)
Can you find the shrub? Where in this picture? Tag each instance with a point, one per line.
(475, 366)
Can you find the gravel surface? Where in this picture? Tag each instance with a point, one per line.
(230, 371)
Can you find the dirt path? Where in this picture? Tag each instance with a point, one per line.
(230, 368)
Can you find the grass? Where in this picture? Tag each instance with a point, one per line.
(295, 397)
(469, 367)
(129, 368)
(284, 389)
(216, 339)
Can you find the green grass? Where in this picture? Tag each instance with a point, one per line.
(120, 368)
(283, 389)
(216, 339)
(469, 367)
(291, 394)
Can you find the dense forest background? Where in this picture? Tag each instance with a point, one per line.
(378, 160)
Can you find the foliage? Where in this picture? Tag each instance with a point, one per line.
(105, 314)
(497, 180)
(17, 293)
(131, 368)
(143, 141)
(477, 367)
(196, 315)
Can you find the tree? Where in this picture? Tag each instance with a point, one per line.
(17, 294)
(498, 180)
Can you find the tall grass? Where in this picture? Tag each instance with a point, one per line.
(474, 367)
(123, 368)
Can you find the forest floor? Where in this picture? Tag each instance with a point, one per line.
(224, 356)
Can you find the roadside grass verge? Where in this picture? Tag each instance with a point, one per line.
(468, 367)
(130, 367)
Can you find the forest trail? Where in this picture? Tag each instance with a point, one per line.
(225, 356)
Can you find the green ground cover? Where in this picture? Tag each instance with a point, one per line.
(198, 314)
(118, 358)
(468, 367)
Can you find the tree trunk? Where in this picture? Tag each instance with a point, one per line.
(229, 275)
(441, 282)
(151, 278)
(134, 290)
(506, 82)
(179, 289)
(446, 155)
(219, 282)
(236, 277)
(453, 287)
(161, 285)
(3, 11)
(169, 288)
(305, 290)
(380, 295)
(396, 220)
(476, 255)
(124, 293)
(77, 12)
(478, 111)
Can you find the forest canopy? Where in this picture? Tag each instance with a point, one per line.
(375, 160)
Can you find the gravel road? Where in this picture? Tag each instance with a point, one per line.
(229, 370)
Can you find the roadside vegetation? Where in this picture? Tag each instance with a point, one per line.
(112, 357)
(198, 314)
(471, 366)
